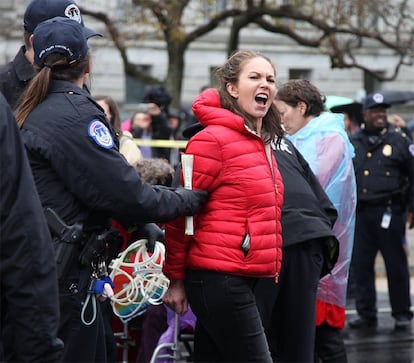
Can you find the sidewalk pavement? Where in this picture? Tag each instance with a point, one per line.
(382, 343)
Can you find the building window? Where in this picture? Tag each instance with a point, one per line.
(212, 76)
(300, 73)
(372, 84)
(135, 89)
(214, 7)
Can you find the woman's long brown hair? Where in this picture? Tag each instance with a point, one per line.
(56, 67)
(115, 119)
(229, 73)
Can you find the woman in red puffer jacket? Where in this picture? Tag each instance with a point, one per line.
(237, 234)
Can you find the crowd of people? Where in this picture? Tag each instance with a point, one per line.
(288, 207)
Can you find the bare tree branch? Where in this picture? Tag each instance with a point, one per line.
(337, 39)
(340, 29)
(129, 68)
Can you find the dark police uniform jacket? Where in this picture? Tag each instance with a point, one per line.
(28, 291)
(77, 167)
(384, 167)
(14, 78)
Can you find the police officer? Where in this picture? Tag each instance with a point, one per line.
(384, 167)
(28, 292)
(16, 75)
(83, 178)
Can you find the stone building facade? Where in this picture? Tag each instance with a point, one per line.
(202, 56)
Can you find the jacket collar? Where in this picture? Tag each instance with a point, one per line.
(207, 108)
(24, 69)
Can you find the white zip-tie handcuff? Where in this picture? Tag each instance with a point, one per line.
(138, 279)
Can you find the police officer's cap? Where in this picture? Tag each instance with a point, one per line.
(374, 100)
(41, 10)
(59, 35)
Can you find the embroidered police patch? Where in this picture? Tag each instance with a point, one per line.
(411, 149)
(73, 12)
(100, 134)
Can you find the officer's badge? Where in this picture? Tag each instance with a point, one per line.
(378, 98)
(100, 134)
(73, 12)
(387, 150)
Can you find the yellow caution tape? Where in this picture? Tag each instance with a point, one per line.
(180, 144)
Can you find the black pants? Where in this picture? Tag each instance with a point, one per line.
(369, 239)
(83, 343)
(107, 315)
(329, 345)
(288, 309)
(228, 327)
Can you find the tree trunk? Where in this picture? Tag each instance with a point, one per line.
(174, 80)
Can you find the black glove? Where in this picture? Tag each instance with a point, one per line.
(193, 199)
(152, 233)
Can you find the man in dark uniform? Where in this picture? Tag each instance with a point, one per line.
(16, 75)
(384, 167)
(29, 305)
(81, 176)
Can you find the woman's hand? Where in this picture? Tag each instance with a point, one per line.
(175, 297)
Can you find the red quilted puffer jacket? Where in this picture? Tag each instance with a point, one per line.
(246, 197)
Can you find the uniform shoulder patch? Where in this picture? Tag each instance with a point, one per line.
(411, 149)
(100, 134)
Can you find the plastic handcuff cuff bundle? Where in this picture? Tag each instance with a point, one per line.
(138, 279)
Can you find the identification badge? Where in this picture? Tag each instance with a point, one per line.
(386, 219)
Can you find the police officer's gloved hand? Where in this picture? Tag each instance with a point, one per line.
(152, 233)
(193, 199)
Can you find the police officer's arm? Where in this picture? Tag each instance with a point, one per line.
(96, 173)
